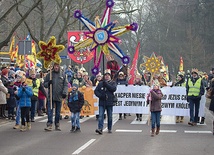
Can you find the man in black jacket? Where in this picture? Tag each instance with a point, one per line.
(105, 92)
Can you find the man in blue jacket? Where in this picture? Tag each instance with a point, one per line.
(105, 92)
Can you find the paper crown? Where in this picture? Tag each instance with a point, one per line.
(121, 73)
(75, 81)
(107, 71)
(195, 70)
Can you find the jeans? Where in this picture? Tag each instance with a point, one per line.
(18, 113)
(101, 116)
(155, 119)
(57, 112)
(194, 103)
(33, 108)
(41, 104)
(75, 119)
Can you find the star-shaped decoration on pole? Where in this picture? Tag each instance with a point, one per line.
(102, 36)
(151, 64)
(50, 52)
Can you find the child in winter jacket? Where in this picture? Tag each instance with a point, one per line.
(75, 103)
(11, 100)
(25, 93)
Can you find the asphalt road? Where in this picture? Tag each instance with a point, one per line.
(129, 137)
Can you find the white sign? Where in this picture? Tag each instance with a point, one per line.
(132, 99)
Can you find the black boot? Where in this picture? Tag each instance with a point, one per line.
(202, 120)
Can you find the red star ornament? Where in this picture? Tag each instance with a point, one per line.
(50, 52)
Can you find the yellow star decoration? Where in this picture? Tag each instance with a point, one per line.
(50, 52)
(151, 64)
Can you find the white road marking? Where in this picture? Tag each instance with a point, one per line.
(168, 131)
(128, 130)
(84, 146)
(167, 119)
(197, 132)
(115, 119)
(144, 120)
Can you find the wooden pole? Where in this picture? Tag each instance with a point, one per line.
(51, 88)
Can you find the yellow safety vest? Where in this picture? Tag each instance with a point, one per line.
(35, 89)
(194, 90)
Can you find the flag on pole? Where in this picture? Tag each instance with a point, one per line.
(181, 67)
(133, 70)
(11, 50)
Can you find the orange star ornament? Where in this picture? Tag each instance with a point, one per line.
(50, 52)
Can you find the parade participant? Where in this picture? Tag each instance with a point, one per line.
(59, 91)
(86, 79)
(42, 95)
(195, 89)
(121, 80)
(105, 92)
(6, 82)
(35, 84)
(181, 83)
(155, 108)
(138, 82)
(11, 100)
(11, 75)
(25, 93)
(3, 92)
(69, 73)
(211, 107)
(112, 65)
(18, 83)
(75, 103)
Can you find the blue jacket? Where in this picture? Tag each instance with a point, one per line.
(105, 92)
(25, 96)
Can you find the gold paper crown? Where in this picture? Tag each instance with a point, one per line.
(75, 81)
(195, 70)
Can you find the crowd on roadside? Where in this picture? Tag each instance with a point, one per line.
(18, 85)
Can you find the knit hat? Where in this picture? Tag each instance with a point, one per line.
(4, 71)
(11, 72)
(75, 85)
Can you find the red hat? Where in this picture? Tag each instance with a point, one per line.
(4, 71)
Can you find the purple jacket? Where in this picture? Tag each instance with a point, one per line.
(156, 96)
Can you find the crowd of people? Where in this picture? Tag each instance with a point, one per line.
(25, 93)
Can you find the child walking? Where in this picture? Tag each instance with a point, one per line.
(75, 103)
(11, 100)
(155, 108)
(25, 93)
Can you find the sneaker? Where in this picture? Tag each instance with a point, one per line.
(72, 129)
(32, 120)
(28, 126)
(23, 128)
(99, 131)
(191, 123)
(109, 131)
(16, 126)
(48, 128)
(57, 128)
(77, 130)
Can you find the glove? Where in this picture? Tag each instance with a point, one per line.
(23, 89)
(63, 96)
(104, 83)
(34, 84)
(50, 82)
(14, 88)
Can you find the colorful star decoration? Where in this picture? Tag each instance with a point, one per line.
(50, 52)
(152, 64)
(102, 36)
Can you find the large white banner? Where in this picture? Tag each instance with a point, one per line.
(132, 99)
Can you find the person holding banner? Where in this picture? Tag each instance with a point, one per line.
(155, 96)
(60, 89)
(181, 83)
(105, 92)
(195, 89)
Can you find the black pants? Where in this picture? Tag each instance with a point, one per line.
(25, 112)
